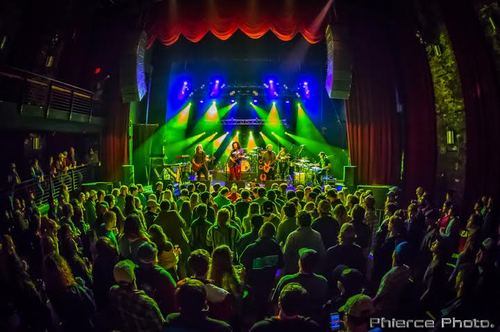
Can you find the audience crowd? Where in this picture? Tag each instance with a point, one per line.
(227, 259)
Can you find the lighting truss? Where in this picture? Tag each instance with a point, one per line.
(249, 122)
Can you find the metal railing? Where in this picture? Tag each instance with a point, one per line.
(26, 88)
(51, 186)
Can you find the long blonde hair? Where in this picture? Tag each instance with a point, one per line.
(222, 271)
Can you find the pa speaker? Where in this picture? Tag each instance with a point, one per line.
(350, 176)
(128, 176)
(133, 69)
(338, 68)
(379, 193)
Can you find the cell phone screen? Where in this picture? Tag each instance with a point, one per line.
(335, 321)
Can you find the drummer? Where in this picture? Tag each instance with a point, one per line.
(325, 167)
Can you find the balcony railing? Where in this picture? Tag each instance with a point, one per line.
(51, 186)
(30, 89)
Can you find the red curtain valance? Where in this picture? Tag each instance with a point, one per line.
(193, 19)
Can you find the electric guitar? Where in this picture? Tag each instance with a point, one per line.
(233, 160)
(197, 166)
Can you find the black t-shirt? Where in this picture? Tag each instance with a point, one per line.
(299, 324)
(324, 163)
(261, 259)
(175, 322)
(200, 157)
(348, 254)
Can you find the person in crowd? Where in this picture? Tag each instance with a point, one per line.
(102, 270)
(168, 255)
(71, 299)
(290, 318)
(287, 225)
(199, 228)
(357, 313)
(391, 297)
(315, 284)
(152, 209)
(173, 226)
(222, 232)
(220, 301)
(253, 210)
(243, 204)
(186, 214)
(340, 214)
(435, 280)
(250, 237)
(154, 279)
(133, 308)
(223, 273)
(326, 225)
(384, 248)
(360, 227)
(108, 227)
(268, 213)
(348, 282)
(191, 297)
(262, 260)
(132, 238)
(221, 199)
(120, 200)
(303, 237)
(346, 252)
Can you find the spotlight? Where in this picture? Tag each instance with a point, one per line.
(213, 102)
(305, 83)
(201, 101)
(217, 81)
(185, 83)
(232, 101)
(227, 132)
(287, 101)
(238, 132)
(255, 101)
(271, 81)
(274, 103)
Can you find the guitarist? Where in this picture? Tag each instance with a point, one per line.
(235, 157)
(199, 163)
(268, 159)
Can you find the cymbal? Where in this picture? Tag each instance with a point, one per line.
(303, 160)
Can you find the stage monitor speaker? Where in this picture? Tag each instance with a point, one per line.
(133, 68)
(379, 193)
(350, 176)
(240, 184)
(339, 68)
(270, 183)
(128, 177)
(106, 186)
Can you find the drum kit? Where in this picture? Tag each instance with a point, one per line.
(304, 171)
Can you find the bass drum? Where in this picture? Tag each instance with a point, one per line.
(245, 166)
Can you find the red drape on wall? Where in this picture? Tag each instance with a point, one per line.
(482, 105)
(168, 20)
(115, 149)
(373, 125)
(417, 97)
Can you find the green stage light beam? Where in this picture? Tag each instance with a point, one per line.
(180, 146)
(305, 126)
(267, 140)
(273, 121)
(251, 142)
(261, 113)
(204, 142)
(283, 141)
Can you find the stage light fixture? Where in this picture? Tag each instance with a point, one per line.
(201, 101)
(271, 81)
(185, 83)
(232, 101)
(287, 101)
(217, 81)
(255, 101)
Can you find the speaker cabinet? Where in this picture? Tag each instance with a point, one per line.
(128, 176)
(379, 193)
(338, 63)
(132, 68)
(350, 176)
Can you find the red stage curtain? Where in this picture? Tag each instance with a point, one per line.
(373, 125)
(417, 97)
(482, 105)
(115, 150)
(168, 20)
